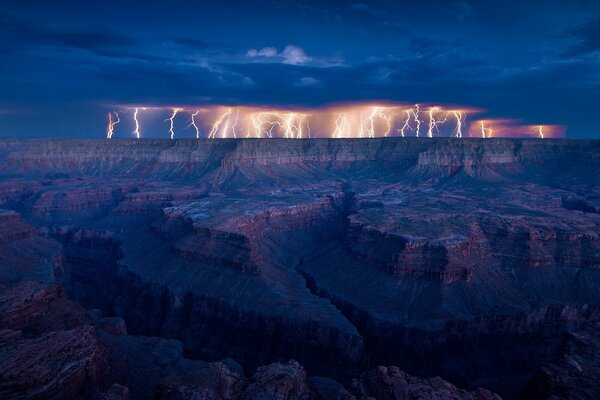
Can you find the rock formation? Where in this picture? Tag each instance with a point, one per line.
(473, 260)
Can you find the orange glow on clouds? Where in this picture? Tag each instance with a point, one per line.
(353, 120)
(491, 128)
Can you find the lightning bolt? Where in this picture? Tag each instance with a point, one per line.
(433, 123)
(293, 123)
(171, 120)
(406, 123)
(217, 124)
(388, 122)
(459, 123)
(415, 114)
(341, 126)
(110, 129)
(368, 123)
(193, 123)
(237, 116)
(261, 122)
(366, 120)
(290, 123)
(136, 131)
(484, 130)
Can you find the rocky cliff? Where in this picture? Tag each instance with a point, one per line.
(470, 259)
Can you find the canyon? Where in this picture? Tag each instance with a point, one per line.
(389, 268)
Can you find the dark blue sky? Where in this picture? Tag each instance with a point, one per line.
(64, 64)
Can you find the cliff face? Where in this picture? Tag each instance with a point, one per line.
(465, 258)
(184, 158)
(48, 348)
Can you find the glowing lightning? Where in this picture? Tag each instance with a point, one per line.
(369, 122)
(111, 124)
(484, 129)
(459, 123)
(388, 122)
(433, 123)
(136, 132)
(290, 123)
(193, 123)
(237, 116)
(415, 114)
(171, 120)
(217, 124)
(406, 123)
(341, 126)
(365, 120)
(293, 123)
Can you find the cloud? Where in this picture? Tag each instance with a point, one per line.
(307, 81)
(365, 8)
(20, 35)
(19, 32)
(248, 82)
(587, 37)
(190, 42)
(463, 10)
(293, 55)
(264, 52)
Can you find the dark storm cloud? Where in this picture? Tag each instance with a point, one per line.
(17, 33)
(587, 37)
(191, 42)
(21, 34)
(521, 59)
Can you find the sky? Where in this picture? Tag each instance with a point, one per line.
(65, 64)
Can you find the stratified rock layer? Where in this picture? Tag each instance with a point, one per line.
(47, 349)
(469, 259)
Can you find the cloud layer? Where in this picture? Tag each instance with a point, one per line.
(67, 59)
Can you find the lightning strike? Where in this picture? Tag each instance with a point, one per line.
(171, 120)
(368, 123)
(388, 122)
(293, 125)
(433, 123)
(415, 114)
(217, 124)
(406, 124)
(272, 123)
(136, 131)
(364, 120)
(459, 123)
(111, 124)
(484, 130)
(193, 123)
(341, 126)
(237, 116)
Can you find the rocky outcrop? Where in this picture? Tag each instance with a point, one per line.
(288, 381)
(279, 382)
(26, 255)
(33, 308)
(47, 349)
(390, 383)
(576, 375)
(216, 381)
(55, 365)
(12, 227)
(115, 392)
